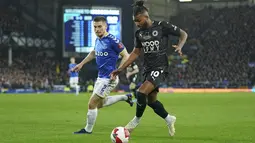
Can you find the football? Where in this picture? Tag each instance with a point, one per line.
(120, 135)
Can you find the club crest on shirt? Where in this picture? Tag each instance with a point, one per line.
(155, 33)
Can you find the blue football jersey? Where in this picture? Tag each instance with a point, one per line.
(107, 50)
(72, 73)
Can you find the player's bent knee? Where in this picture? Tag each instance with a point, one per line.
(152, 97)
(142, 91)
(100, 104)
(94, 101)
(150, 102)
(146, 88)
(158, 109)
(92, 105)
(153, 105)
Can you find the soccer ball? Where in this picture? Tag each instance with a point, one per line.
(120, 135)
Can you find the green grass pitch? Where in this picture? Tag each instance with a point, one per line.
(201, 118)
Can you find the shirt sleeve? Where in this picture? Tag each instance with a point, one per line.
(138, 43)
(170, 29)
(117, 45)
(69, 69)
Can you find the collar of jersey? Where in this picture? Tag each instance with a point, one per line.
(148, 27)
(104, 36)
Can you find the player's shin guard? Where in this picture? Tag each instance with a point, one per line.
(159, 109)
(141, 104)
(91, 119)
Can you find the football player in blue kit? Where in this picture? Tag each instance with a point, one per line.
(107, 50)
(73, 76)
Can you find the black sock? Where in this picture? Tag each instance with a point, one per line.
(159, 109)
(141, 104)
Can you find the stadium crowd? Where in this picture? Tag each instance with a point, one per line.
(227, 42)
(29, 71)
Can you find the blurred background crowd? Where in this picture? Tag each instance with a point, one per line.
(224, 41)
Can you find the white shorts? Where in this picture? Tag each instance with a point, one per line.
(73, 81)
(104, 86)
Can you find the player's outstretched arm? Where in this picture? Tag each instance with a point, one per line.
(170, 29)
(87, 59)
(124, 54)
(132, 57)
(182, 39)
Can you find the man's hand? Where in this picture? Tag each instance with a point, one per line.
(178, 49)
(77, 67)
(115, 73)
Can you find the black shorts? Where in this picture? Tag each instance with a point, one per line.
(156, 77)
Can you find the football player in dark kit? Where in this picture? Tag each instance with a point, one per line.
(152, 38)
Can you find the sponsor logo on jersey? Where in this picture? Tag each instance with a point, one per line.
(150, 46)
(102, 54)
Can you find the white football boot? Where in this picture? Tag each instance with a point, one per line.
(171, 127)
(132, 124)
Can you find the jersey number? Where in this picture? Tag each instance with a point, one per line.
(155, 74)
(103, 89)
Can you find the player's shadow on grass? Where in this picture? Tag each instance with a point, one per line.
(223, 140)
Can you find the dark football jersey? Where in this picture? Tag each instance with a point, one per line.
(154, 42)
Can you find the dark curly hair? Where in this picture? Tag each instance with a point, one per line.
(139, 8)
